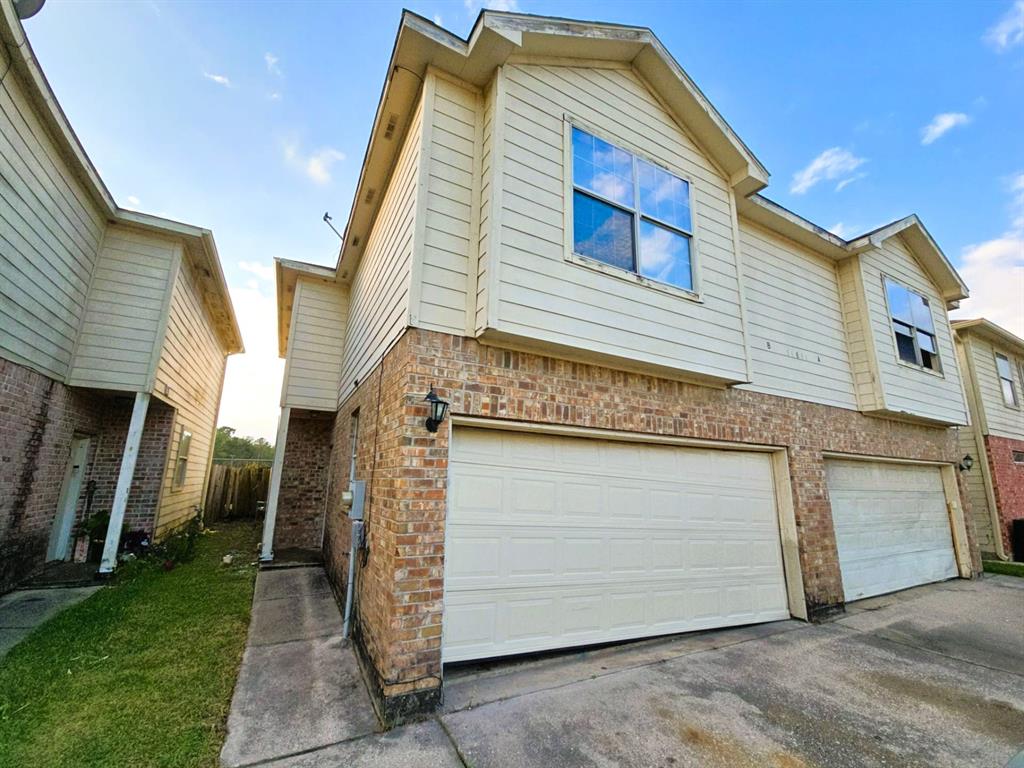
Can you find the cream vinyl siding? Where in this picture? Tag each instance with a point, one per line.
(189, 377)
(974, 487)
(908, 389)
(50, 232)
(448, 164)
(485, 252)
(316, 344)
(1001, 419)
(124, 314)
(543, 297)
(795, 321)
(860, 342)
(379, 295)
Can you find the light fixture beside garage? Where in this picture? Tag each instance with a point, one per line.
(966, 463)
(438, 410)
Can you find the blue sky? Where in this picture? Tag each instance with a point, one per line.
(252, 119)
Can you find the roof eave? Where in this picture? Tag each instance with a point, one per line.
(286, 274)
(984, 327)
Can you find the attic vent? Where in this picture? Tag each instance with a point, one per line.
(370, 194)
(389, 129)
(355, 241)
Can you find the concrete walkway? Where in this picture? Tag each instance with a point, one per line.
(23, 610)
(928, 677)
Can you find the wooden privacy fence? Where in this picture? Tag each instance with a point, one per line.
(236, 492)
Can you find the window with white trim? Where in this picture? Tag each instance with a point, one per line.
(1006, 382)
(629, 213)
(912, 326)
(181, 462)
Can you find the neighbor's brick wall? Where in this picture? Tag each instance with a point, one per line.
(38, 419)
(1007, 482)
(300, 501)
(400, 587)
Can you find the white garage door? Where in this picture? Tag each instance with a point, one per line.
(892, 527)
(560, 541)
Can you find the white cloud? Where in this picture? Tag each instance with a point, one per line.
(133, 201)
(473, 6)
(847, 182)
(1008, 32)
(941, 124)
(834, 163)
(842, 230)
(252, 384)
(274, 95)
(262, 271)
(316, 165)
(272, 64)
(994, 270)
(218, 79)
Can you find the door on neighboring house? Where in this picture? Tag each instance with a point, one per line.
(556, 541)
(60, 536)
(892, 526)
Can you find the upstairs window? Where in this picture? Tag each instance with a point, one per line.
(181, 463)
(629, 213)
(913, 327)
(1006, 380)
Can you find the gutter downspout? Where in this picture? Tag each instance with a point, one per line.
(269, 520)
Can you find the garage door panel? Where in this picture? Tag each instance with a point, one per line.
(891, 524)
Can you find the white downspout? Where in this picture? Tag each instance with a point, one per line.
(267, 549)
(124, 482)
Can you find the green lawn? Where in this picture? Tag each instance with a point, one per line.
(1007, 569)
(141, 673)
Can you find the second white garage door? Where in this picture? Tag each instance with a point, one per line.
(892, 526)
(553, 542)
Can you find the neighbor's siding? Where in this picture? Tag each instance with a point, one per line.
(795, 321)
(544, 297)
(379, 296)
(1000, 419)
(50, 232)
(189, 376)
(449, 162)
(485, 254)
(124, 314)
(908, 389)
(315, 345)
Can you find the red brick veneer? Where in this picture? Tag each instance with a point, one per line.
(300, 512)
(1007, 482)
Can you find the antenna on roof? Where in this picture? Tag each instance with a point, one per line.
(327, 221)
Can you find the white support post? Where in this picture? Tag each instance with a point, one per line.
(124, 482)
(267, 550)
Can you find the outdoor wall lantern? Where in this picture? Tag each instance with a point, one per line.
(438, 410)
(966, 463)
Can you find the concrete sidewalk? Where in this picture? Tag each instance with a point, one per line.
(300, 699)
(23, 610)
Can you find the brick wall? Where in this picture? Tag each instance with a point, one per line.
(1007, 482)
(300, 505)
(400, 586)
(38, 419)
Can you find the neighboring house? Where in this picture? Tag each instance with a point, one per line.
(674, 404)
(115, 327)
(992, 361)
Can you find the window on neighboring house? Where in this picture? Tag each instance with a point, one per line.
(913, 327)
(1006, 380)
(630, 213)
(181, 463)
(1018, 457)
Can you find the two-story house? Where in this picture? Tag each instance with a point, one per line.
(115, 327)
(674, 405)
(992, 366)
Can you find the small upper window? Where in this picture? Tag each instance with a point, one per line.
(181, 463)
(913, 326)
(629, 213)
(1006, 380)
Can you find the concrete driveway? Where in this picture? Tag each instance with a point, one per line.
(929, 677)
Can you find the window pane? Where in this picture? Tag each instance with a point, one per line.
(602, 168)
(922, 312)
(1003, 366)
(664, 196)
(1009, 393)
(602, 232)
(899, 302)
(926, 342)
(665, 255)
(905, 346)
